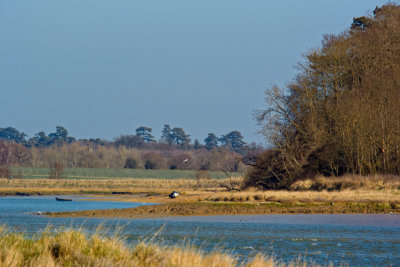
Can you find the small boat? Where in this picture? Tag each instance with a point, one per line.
(63, 199)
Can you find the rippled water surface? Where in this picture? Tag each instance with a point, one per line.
(355, 239)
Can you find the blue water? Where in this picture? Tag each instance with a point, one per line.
(16, 211)
(354, 239)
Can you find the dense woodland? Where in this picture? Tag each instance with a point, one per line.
(139, 150)
(341, 114)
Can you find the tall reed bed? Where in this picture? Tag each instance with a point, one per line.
(348, 182)
(359, 196)
(74, 248)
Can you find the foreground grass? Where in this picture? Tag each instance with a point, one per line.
(74, 248)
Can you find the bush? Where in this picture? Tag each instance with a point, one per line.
(131, 163)
(269, 171)
(149, 165)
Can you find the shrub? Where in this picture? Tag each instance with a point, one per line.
(131, 163)
(149, 165)
(56, 170)
(269, 171)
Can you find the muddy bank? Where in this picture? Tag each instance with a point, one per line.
(210, 208)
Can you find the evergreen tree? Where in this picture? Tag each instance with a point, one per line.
(235, 140)
(180, 137)
(60, 136)
(166, 135)
(40, 140)
(145, 133)
(211, 141)
(10, 133)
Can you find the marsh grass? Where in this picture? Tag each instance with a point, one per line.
(348, 182)
(75, 248)
(356, 189)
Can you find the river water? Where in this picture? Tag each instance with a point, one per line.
(354, 239)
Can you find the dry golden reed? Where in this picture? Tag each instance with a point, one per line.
(349, 182)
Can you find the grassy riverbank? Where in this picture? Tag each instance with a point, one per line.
(74, 248)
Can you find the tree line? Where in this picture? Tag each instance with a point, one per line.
(341, 113)
(140, 150)
(142, 138)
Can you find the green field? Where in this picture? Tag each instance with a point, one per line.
(92, 173)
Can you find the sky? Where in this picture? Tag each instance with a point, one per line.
(103, 68)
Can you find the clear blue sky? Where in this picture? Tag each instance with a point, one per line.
(103, 68)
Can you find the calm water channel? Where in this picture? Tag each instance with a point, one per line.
(358, 240)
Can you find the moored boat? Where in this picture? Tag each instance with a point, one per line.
(63, 199)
